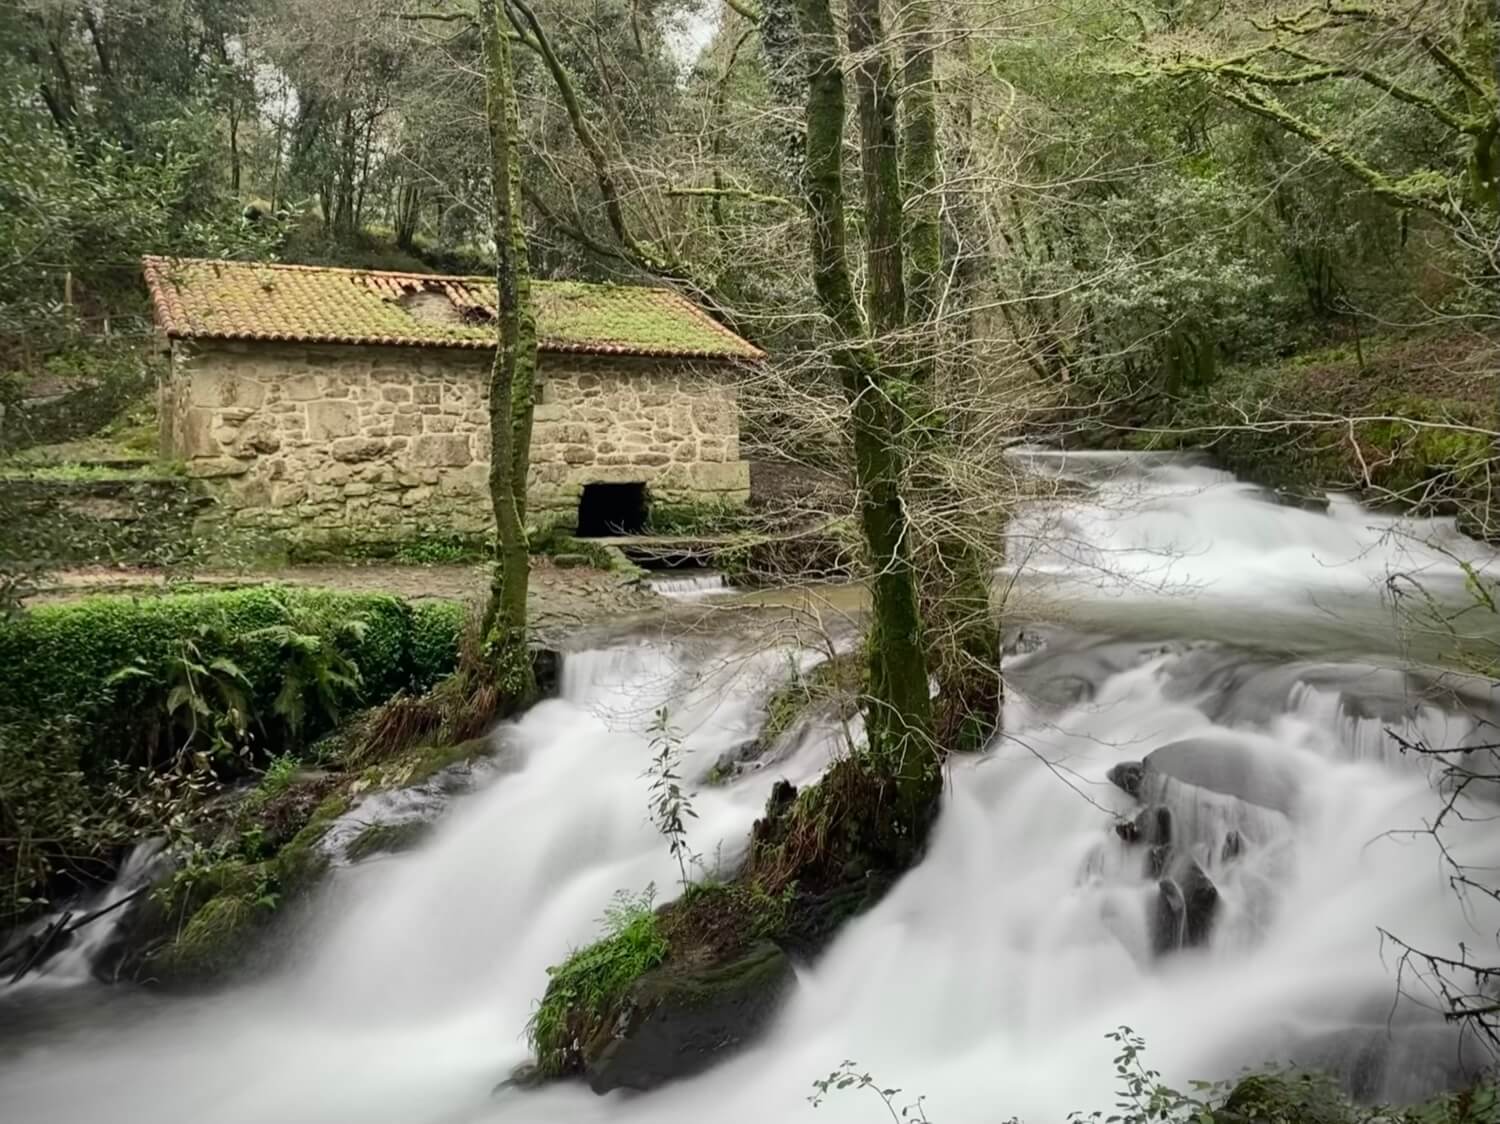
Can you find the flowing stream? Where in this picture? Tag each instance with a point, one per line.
(1165, 607)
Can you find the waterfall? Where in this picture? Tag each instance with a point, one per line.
(690, 585)
(1240, 649)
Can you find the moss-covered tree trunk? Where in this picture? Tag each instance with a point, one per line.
(899, 711)
(963, 636)
(512, 375)
(1481, 34)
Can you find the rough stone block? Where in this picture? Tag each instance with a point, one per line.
(300, 388)
(414, 497)
(733, 476)
(221, 388)
(650, 458)
(352, 450)
(332, 474)
(334, 386)
(441, 450)
(395, 392)
(439, 424)
(408, 424)
(259, 438)
(327, 420)
(470, 481)
(209, 468)
(195, 436)
(578, 454)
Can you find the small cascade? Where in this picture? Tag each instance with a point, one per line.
(687, 585)
(61, 948)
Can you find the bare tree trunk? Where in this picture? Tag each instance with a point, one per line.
(899, 711)
(512, 376)
(408, 214)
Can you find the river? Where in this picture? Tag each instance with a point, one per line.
(1156, 602)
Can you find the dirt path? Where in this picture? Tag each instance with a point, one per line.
(561, 598)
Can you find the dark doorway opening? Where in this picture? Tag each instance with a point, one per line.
(611, 509)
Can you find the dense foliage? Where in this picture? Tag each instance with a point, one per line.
(118, 713)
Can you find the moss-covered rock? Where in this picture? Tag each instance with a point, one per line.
(213, 942)
(302, 862)
(667, 993)
(680, 1018)
(386, 838)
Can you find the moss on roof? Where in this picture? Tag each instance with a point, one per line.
(200, 299)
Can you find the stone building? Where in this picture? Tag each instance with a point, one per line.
(338, 403)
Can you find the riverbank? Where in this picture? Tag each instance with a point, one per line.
(1408, 423)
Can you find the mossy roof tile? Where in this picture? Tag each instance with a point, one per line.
(200, 299)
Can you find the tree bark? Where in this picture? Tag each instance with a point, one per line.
(963, 637)
(898, 709)
(512, 375)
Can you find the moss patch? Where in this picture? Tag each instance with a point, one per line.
(386, 839)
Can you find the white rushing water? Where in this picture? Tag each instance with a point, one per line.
(687, 585)
(987, 979)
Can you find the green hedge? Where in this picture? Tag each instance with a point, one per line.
(436, 627)
(58, 659)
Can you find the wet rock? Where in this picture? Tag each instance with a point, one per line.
(386, 839)
(1127, 776)
(1187, 903)
(783, 793)
(1024, 642)
(1154, 824)
(1234, 846)
(1227, 766)
(527, 1075)
(678, 1020)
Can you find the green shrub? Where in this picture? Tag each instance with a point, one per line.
(66, 659)
(436, 627)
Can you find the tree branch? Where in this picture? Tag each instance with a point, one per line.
(733, 193)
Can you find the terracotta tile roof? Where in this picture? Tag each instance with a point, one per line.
(224, 300)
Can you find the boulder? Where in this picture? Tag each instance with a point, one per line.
(678, 1020)
(1152, 825)
(1225, 765)
(1127, 776)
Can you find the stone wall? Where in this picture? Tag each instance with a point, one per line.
(324, 441)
